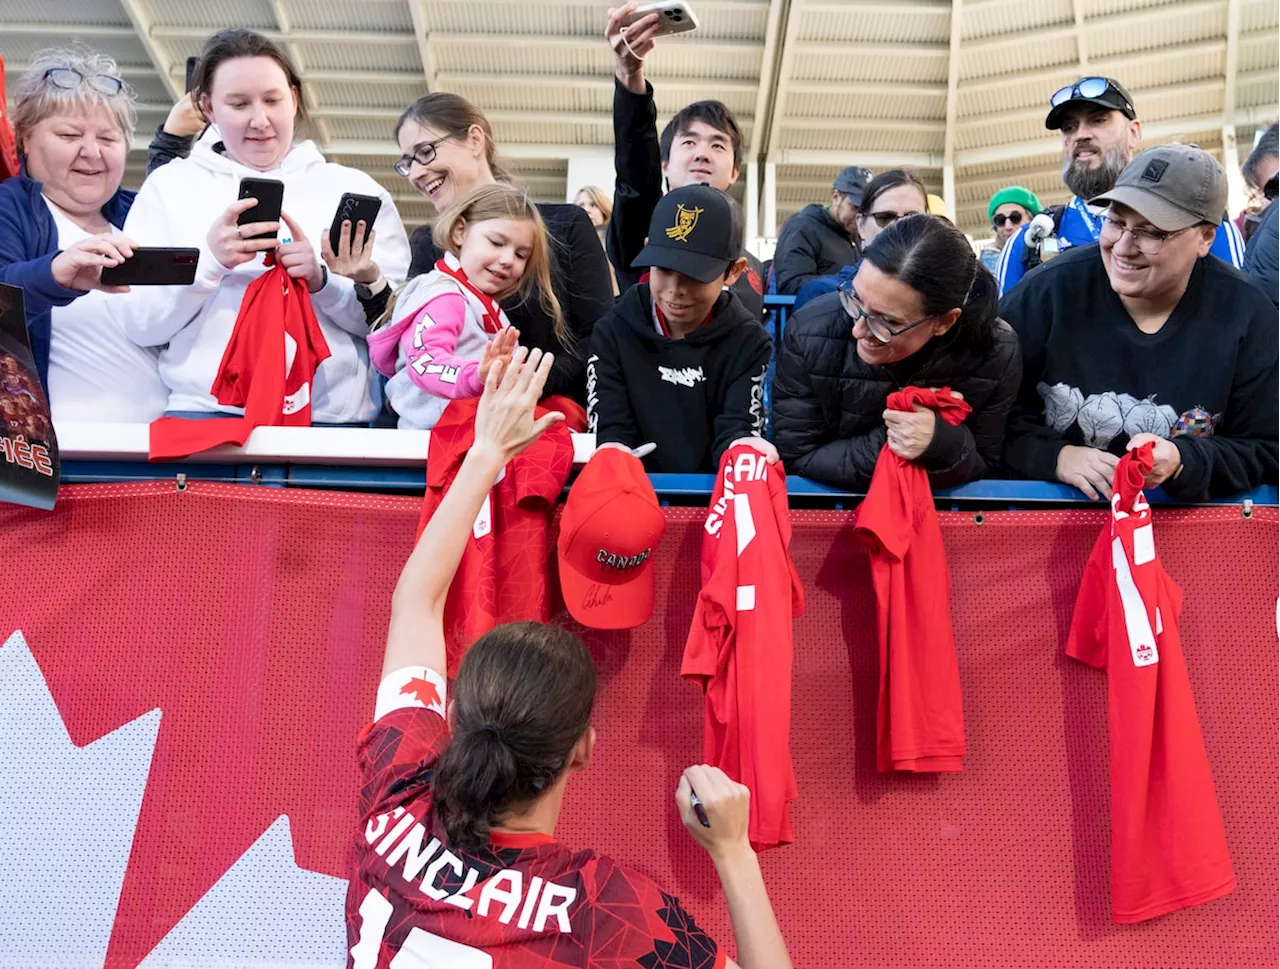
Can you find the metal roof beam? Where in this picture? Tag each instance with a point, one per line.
(1127, 19)
(447, 80)
(777, 106)
(1038, 113)
(73, 30)
(145, 33)
(872, 159)
(771, 63)
(344, 37)
(1082, 42)
(592, 43)
(868, 89)
(418, 14)
(876, 49)
(949, 125)
(917, 125)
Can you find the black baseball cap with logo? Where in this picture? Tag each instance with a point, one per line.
(1172, 186)
(1105, 92)
(852, 181)
(692, 232)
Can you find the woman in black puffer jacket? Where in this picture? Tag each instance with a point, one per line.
(921, 311)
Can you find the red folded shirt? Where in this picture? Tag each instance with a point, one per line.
(919, 718)
(267, 368)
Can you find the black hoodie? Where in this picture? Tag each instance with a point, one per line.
(692, 397)
(811, 244)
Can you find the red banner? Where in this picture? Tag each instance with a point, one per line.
(213, 654)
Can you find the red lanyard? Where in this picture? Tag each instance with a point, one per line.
(492, 321)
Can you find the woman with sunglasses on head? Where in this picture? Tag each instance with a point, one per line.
(448, 149)
(60, 222)
(888, 197)
(1009, 210)
(920, 311)
(250, 92)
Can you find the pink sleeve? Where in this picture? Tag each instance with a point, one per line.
(428, 344)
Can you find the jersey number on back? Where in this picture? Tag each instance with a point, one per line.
(420, 950)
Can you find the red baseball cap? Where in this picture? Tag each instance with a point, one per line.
(609, 531)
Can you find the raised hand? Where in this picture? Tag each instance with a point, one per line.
(498, 350)
(298, 257)
(505, 425)
(631, 44)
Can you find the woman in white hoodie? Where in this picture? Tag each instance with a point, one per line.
(248, 89)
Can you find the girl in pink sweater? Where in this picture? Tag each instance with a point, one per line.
(448, 328)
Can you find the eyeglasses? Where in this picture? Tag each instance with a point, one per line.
(886, 219)
(1148, 241)
(881, 329)
(423, 154)
(1086, 87)
(1013, 218)
(69, 79)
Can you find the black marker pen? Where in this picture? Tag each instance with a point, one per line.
(698, 809)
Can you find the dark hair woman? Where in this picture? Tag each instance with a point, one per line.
(919, 311)
(456, 859)
(888, 197)
(448, 149)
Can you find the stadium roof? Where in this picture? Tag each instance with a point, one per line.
(956, 88)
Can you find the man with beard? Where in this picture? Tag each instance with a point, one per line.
(1100, 135)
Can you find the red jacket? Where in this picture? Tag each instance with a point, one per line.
(271, 359)
(919, 719)
(502, 576)
(739, 648)
(8, 144)
(1168, 846)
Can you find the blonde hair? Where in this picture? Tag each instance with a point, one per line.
(38, 98)
(598, 199)
(503, 201)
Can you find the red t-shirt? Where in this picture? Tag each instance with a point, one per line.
(740, 643)
(919, 717)
(1168, 846)
(525, 901)
(503, 574)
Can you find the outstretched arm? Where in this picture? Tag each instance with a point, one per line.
(505, 426)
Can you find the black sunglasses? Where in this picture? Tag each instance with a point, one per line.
(1013, 218)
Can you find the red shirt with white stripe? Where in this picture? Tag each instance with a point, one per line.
(1168, 846)
(740, 643)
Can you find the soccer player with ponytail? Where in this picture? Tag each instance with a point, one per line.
(456, 861)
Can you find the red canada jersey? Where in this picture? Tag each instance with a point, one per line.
(740, 643)
(523, 902)
(919, 716)
(1168, 846)
(503, 574)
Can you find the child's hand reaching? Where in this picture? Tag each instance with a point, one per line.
(498, 350)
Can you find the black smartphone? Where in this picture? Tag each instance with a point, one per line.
(354, 208)
(270, 196)
(191, 72)
(154, 266)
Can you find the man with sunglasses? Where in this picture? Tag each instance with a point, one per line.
(1146, 338)
(1009, 210)
(1100, 136)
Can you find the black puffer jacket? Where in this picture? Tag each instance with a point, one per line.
(811, 244)
(827, 403)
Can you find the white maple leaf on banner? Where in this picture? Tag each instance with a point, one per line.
(67, 817)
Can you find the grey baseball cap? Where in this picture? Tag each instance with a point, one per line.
(852, 181)
(1172, 187)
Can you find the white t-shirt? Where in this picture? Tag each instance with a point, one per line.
(96, 373)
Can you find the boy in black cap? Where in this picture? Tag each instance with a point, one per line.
(820, 240)
(680, 362)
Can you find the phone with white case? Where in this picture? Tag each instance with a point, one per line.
(677, 16)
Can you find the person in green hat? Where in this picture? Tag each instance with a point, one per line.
(1009, 210)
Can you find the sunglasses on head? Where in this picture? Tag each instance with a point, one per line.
(1086, 87)
(1013, 218)
(69, 79)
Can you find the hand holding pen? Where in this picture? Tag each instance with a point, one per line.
(715, 810)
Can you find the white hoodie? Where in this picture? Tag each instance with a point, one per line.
(192, 324)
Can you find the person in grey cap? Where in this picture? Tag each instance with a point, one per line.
(1147, 338)
(1100, 135)
(820, 240)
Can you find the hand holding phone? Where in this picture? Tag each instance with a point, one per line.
(154, 266)
(232, 243)
(269, 194)
(674, 17)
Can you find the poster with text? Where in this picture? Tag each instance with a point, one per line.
(29, 465)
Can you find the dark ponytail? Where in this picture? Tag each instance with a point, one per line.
(935, 259)
(521, 702)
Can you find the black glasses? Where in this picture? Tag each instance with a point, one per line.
(886, 219)
(69, 79)
(423, 154)
(1086, 87)
(1013, 218)
(877, 326)
(1148, 241)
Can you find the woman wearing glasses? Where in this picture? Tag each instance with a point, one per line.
(919, 311)
(250, 92)
(888, 197)
(60, 222)
(448, 149)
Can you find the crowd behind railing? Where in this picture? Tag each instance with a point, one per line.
(1133, 313)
